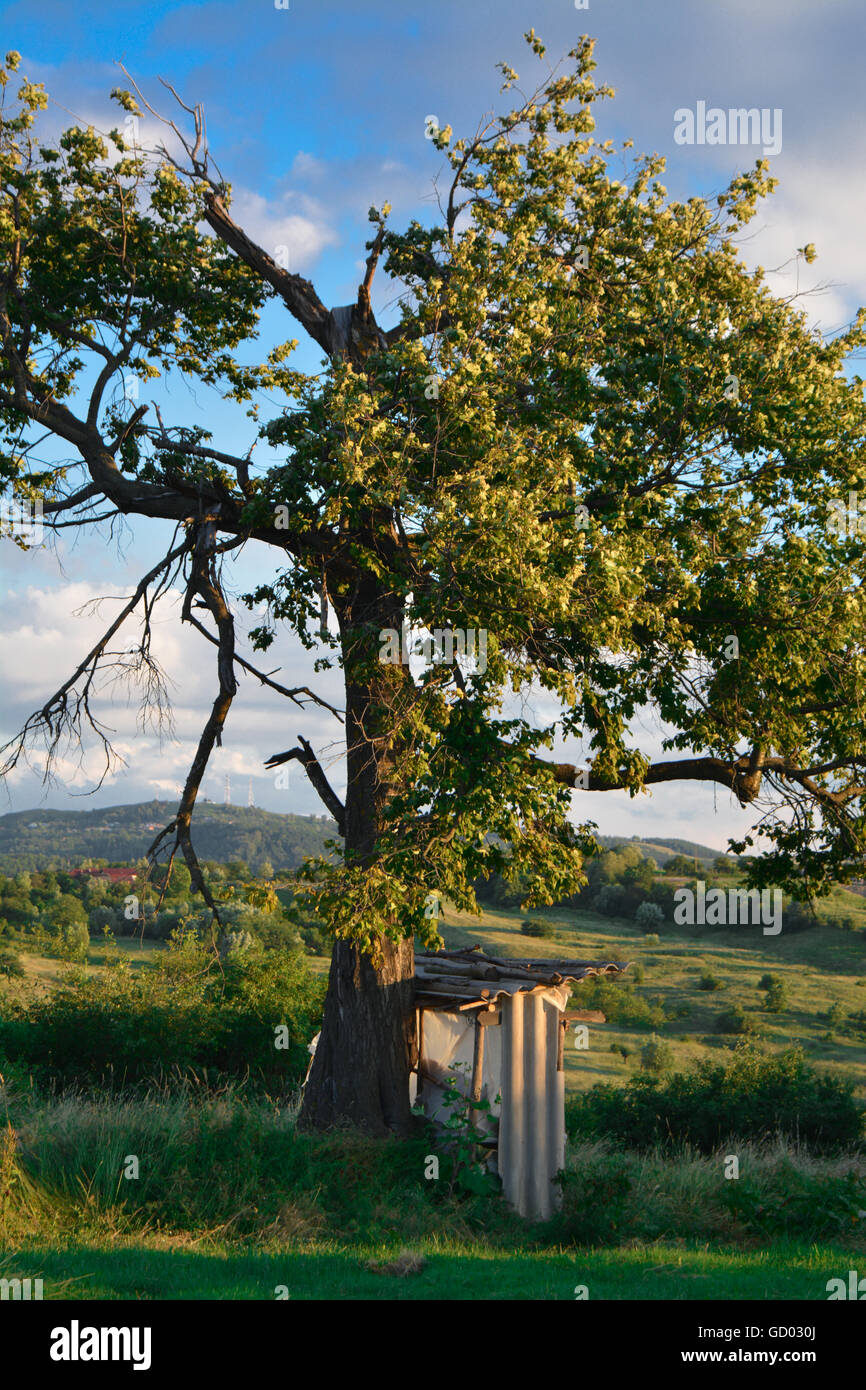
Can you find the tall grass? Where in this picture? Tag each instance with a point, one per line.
(235, 1167)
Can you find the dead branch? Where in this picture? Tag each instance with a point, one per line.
(313, 768)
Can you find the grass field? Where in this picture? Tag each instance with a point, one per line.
(231, 1205)
(173, 1269)
(820, 967)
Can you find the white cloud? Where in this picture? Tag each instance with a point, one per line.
(814, 204)
(47, 632)
(276, 222)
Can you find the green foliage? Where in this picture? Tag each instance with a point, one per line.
(75, 942)
(649, 917)
(593, 1202)
(735, 1020)
(10, 965)
(751, 1097)
(777, 997)
(462, 1136)
(709, 981)
(657, 1056)
(619, 1003)
(795, 1204)
(536, 927)
(189, 1011)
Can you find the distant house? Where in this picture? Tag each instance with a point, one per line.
(120, 875)
(498, 1028)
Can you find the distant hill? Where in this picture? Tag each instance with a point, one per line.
(121, 834)
(662, 850)
(61, 839)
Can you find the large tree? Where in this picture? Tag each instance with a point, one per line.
(593, 435)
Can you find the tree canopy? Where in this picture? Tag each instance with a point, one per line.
(594, 435)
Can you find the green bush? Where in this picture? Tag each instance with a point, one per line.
(649, 917)
(188, 1011)
(594, 1198)
(657, 1056)
(777, 997)
(535, 927)
(735, 1020)
(748, 1097)
(611, 900)
(10, 965)
(709, 981)
(619, 1004)
(797, 1205)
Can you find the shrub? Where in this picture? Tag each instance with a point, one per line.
(777, 997)
(710, 982)
(188, 1011)
(535, 927)
(75, 942)
(594, 1199)
(10, 965)
(610, 900)
(794, 1204)
(649, 917)
(619, 1004)
(767, 980)
(734, 1020)
(656, 1056)
(747, 1097)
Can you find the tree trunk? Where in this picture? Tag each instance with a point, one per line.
(360, 1072)
(367, 1046)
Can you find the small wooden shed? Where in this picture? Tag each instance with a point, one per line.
(498, 1028)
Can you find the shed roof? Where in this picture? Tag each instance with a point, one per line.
(461, 979)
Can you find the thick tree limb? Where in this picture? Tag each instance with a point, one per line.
(743, 775)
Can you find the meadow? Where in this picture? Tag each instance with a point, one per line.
(232, 1202)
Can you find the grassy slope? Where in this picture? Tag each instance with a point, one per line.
(819, 966)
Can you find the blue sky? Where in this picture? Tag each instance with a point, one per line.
(314, 113)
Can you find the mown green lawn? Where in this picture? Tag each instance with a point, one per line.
(657, 1272)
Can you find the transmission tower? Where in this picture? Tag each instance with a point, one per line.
(228, 791)
(250, 801)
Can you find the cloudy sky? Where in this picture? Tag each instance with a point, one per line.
(316, 111)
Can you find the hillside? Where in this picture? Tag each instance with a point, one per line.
(662, 849)
(61, 839)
